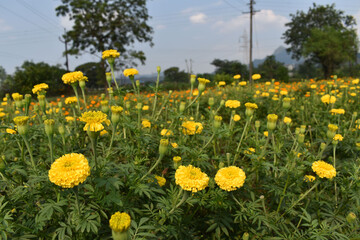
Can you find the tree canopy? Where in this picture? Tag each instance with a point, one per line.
(323, 35)
(103, 24)
(271, 68)
(230, 67)
(173, 74)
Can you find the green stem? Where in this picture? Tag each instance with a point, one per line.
(274, 147)
(83, 94)
(242, 136)
(335, 187)
(50, 137)
(112, 139)
(93, 146)
(153, 167)
(156, 93)
(113, 76)
(77, 96)
(185, 195)
(283, 193)
(30, 151)
(75, 189)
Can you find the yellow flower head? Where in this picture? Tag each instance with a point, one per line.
(335, 111)
(203, 80)
(338, 137)
(236, 117)
(256, 76)
(110, 54)
(266, 133)
(272, 117)
(10, 131)
(309, 178)
(39, 88)
(130, 72)
(230, 178)
(333, 127)
(222, 83)
(72, 77)
(120, 222)
(94, 120)
(191, 178)
(161, 181)
(70, 100)
(17, 96)
(242, 83)
(174, 145)
(237, 76)
(146, 123)
(251, 105)
(21, 120)
(116, 109)
(323, 169)
(69, 170)
(177, 159)
(328, 99)
(287, 120)
(191, 127)
(232, 103)
(166, 132)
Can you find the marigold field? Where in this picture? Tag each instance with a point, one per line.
(267, 160)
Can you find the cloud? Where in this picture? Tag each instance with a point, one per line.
(198, 18)
(160, 26)
(264, 20)
(3, 26)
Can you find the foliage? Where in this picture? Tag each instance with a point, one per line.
(3, 74)
(30, 74)
(173, 74)
(274, 203)
(320, 34)
(272, 69)
(100, 25)
(230, 67)
(96, 77)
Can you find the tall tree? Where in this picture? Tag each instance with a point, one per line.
(271, 68)
(230, 67)
(107, 24)
(321, 34)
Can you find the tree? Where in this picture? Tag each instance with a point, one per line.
(30, 74)
(93, 71)
(320, 35)
(230, 67)
(103, 24)
(174, 75)
(271, 68)
(3, 74)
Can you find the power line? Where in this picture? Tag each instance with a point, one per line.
(231, 5)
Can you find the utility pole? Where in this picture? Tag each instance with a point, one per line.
(252, 12)
(66, 52)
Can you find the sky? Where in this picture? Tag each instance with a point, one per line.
(184, 30)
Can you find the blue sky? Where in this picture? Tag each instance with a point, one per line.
(201, 30)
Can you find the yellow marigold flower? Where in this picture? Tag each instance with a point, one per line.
(335, 111)
(251, 105)
(3, 103)
(110, 54)
(237, 76)
(103, 133)
(242, 83)
(69, 170)
(230, 178)
(333, 127)
(232, 103)
(166, 132)
(130, 72)
(161, 181)
(323, 169)
(39, 88)
(70, 119)
(203, 80)
(94, 120)
(146, 123)
(2, 114)
(145, 107)
(313, 86)
(174, 145)
(70, 100)
(177, 159)
(272, 117)
(309, 178)
(356, 81)
(191, 178)
(72, 77)
(191, 127)
(10, 131)
(21, 120)
(256, 76)
(221, 83)
(283, 92)
(266, 133)
(120, 222)
(328, 99)
(236, 117)
(338, 137)
(116, 109)
(17, 97)
(287, 120)
(249, 151)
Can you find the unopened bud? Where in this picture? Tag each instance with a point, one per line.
(211, 101)
(351, 217)
(182, 107)
(164, 143)
(49, 126)
(257, 124)
(158, 69)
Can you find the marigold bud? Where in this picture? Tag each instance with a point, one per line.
(164, 143)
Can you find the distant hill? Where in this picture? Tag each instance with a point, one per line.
(280, 55)
(142, 77)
